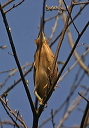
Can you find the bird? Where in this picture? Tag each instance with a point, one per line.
(43, 63)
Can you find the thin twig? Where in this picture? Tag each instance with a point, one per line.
(12, 112)
(71, 17)
(73, 105)
(15, 123)
(53, 29)
(69, 69)
(8, 2)
(12, 73)
(87, 2)
(68, 24)
(52, 118)
(16, 82)
(51, 17)
(14, 6)
(7, 122)
(6, 71)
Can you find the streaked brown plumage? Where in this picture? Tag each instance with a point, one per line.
(43, 62)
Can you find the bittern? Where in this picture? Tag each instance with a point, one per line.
(43, 62)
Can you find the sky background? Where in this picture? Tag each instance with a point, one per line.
(24, 21)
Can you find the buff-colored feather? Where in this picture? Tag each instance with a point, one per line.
(43, 62)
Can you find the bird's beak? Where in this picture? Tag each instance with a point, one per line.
(38, 41)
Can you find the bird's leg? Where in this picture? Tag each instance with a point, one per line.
(39, 98)
(45, 86)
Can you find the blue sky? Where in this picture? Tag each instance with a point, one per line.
(24, 21)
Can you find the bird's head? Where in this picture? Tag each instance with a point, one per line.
(41, 39)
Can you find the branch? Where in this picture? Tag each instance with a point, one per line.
(72, 44)
(43, 13)
(53, 29)
(69, 69)
(83, 66)
(69, 23)
(8, 2)
(66, 100)
(71, 17)
(15, 83)
(76, 42)
(52, 17)
(14, 6)
(52, 118)
(17, 61)
(87, 2)
(14, 70)
(12, 112)
(7, 122)
(86, 114)
(73, 105)
(15, 123)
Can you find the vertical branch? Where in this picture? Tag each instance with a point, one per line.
(16, 60)
(43, 13)
(35, 121)
(52, 118)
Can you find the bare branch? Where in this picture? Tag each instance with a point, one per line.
(72, 44)
(53, 29)
(69, 69)
(14, 70)
(87, 2)
(14, 6)
(7, 3)
(16, 82)
(17, 61)
(86, 114)
(81, 9)
(43, 13)
(52, 118)
(7, 122)
(5, 105)
(71, 17)
(73, 105)
(52, 17)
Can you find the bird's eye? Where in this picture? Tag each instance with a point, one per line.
(43, 34)
(39, 35)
